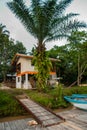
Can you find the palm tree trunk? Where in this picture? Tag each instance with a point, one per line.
(42, 64)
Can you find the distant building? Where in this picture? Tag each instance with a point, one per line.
(25, 71)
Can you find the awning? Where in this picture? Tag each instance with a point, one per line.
(27, 72)
(33, 72)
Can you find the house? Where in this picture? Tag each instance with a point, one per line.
(25, 71)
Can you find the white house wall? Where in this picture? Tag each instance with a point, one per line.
(26, 64)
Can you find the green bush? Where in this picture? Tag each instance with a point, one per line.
(57, 97)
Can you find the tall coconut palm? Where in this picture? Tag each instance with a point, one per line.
(46, 21)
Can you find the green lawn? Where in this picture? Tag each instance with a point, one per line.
(52, 99)
(8, 105)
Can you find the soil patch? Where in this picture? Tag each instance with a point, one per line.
(4, 119)
(62, 109)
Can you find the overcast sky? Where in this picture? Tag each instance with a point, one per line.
(18, 32)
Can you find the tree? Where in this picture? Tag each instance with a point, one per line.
(4, 39)
(7, 50)
(69, 66)
(46, 21)
(19, 48)
(78, 41)
(64, 67)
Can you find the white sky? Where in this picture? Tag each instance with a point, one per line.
(18, 32)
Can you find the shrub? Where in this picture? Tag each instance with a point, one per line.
(57, 97)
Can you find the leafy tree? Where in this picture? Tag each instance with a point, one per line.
(19, 48)
(4, 39)
(46, 21)
(7, 50)
(63, 67)
(78, 41)
(68, 54)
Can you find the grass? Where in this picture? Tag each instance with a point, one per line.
(41, 98)
(53, 99)
(9, 106)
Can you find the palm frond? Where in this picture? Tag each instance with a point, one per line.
(46, 19)
(63, 19)
(64, 30)
(3, 30)
(56, 37)
(22, 12)
(74, 25)
(61, 6)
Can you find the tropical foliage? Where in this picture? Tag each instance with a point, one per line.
(46, 21)
(73, 57)
(43, 71)
(4, 40)
(79, 41)
(8, 48)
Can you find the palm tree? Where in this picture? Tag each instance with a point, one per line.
(46, 21)
(3, 30)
